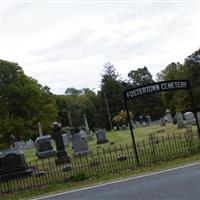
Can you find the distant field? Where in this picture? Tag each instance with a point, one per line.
(123, 137)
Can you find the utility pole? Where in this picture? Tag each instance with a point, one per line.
(108, 111)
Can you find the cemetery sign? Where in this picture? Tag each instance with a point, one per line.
(155, 88)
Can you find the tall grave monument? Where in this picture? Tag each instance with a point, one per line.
(62, 156)
(43, 145)
(87, 129)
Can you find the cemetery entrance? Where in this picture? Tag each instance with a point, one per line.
(163, 86)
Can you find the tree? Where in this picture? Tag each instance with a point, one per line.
(73, 91)
(111, 91)
(23, 103)
(139, 77)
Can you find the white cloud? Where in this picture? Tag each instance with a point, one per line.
(66, 44)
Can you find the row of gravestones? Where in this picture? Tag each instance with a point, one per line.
(182, 120)
(12, 161)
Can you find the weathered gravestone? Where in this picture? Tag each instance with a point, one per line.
(65, 139)
(18, 145)
(80, 145)
(141, 120)
(43, 145)
(13, 164)
(148, 120)
(180, 121)
(29, 144)
(62, 156)
(83, 133)
(162, 121)
(168, 116)
(189, 117)
(101, 136)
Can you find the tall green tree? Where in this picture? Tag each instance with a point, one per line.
(110, 93)
(23, 103)
(139, 77)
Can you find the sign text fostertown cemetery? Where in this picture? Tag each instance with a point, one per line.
(156, 87)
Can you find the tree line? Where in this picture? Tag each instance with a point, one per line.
(24, 102)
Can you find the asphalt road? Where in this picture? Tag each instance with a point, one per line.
(177, 184)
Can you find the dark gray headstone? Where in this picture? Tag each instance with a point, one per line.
(43, 146)
(101, 136)
(80, 144)
(13, 163)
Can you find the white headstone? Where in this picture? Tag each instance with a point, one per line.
(189, 117)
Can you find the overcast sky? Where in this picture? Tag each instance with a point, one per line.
(66, 44)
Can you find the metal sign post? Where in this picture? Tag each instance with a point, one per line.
(132, 135)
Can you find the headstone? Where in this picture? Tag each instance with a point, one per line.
(68, 131)
(162, 121)
(189, 117)
(168, 116)
(83, 133)
(133, 124)
(174, 120)
(101, 136)
(80, 145)
(65, 139)
(29, 144)
(18, 145)
(13, 164)
(180, 121)
(62, 156)
(141, 120)
(43, 146)
(148, 120)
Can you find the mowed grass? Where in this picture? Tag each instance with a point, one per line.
(123, 137)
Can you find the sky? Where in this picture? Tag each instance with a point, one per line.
(65, 43)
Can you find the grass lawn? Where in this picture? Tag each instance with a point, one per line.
(122, 137)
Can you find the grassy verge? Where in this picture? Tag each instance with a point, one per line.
(55, 188)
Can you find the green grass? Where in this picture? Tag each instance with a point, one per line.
(122, 137)
(102, 178)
